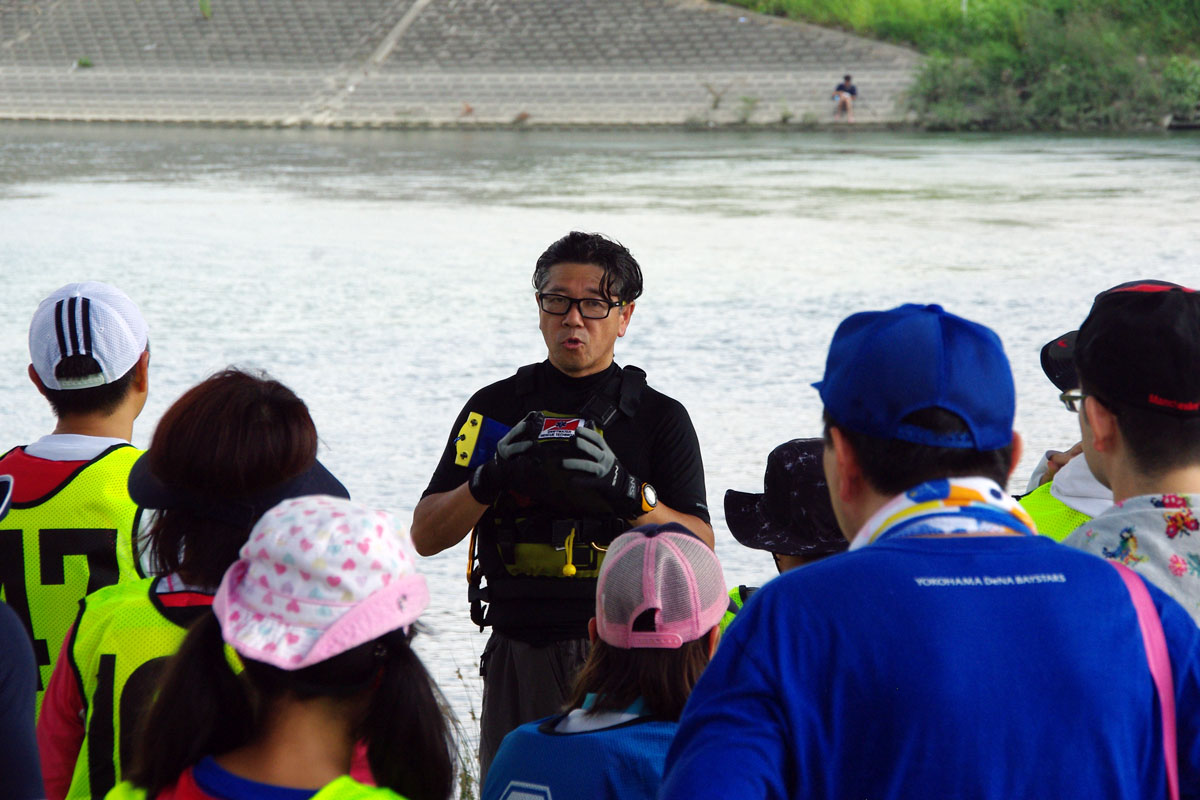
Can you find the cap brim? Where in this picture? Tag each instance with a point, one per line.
(744, 514)
(1058, 361)
(148, 491)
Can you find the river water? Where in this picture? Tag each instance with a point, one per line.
(385, 276)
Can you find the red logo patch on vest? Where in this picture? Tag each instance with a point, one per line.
(559, 428)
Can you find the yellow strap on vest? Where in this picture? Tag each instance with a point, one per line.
(468, 437)
(568, 569)
(1053, 517)
(79, 539)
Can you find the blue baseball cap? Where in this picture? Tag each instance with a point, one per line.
(884, 365)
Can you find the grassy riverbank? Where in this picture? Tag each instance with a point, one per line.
(1032, 64)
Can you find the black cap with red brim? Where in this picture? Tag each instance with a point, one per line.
(1058, 361)
(1140, 347)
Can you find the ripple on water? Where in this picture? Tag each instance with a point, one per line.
(385, 276)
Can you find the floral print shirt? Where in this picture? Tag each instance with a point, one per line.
(1157, 535)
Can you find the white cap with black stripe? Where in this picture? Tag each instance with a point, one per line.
(90, 319)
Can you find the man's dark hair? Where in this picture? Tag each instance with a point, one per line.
(622, 275)
(102, 399)
(846, 78)
(1157, 441)
(892, 466)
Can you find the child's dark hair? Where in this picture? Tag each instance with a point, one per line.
(231, 435)
(203, 708)
(662, 677)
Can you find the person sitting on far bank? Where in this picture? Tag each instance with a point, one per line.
(844, 95)
(544, 469)
(660, 598)
(90, 359)
(792, 519)
(224, 453)
(1063, 493)
(951, 649)
(1138, 358)
(307, 651)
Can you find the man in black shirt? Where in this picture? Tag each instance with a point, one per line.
(545, 468)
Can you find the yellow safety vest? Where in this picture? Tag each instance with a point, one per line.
(343, 788)
(1053, 517)
(77, 538)
(121, 644)
(738, 596)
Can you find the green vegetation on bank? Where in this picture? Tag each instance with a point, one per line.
(1032, 64)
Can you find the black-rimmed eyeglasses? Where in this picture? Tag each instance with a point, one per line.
(1073, 400)
(589, 307)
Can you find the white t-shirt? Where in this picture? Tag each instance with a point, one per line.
(71, 446)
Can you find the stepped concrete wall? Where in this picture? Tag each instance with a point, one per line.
(432, 62)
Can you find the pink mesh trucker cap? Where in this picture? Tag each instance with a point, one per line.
(320, 575)
(666, 569)
(87, 319)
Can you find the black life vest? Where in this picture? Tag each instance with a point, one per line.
(541, 565)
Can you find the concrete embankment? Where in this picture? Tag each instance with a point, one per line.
(396, 63)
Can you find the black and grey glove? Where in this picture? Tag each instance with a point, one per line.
(602, 470)
(503, 470)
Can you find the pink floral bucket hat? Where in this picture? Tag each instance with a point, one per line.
(319, 575)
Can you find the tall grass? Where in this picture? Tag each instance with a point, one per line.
(1021, 64)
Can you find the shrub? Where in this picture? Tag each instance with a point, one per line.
(1181, 85)
(1032, 64)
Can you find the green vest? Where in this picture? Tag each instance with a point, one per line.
(1053, 517)
(738, 596)
(121, 643)
(343, 788)
(75, 539)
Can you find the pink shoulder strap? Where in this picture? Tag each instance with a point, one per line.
(1160, 668)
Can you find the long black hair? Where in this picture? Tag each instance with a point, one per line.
(204, 708)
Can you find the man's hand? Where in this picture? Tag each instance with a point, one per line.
(497, 474)
(604, 471)
(1056, 461)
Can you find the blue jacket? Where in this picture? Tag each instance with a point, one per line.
(987, 668)
(623, 761)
